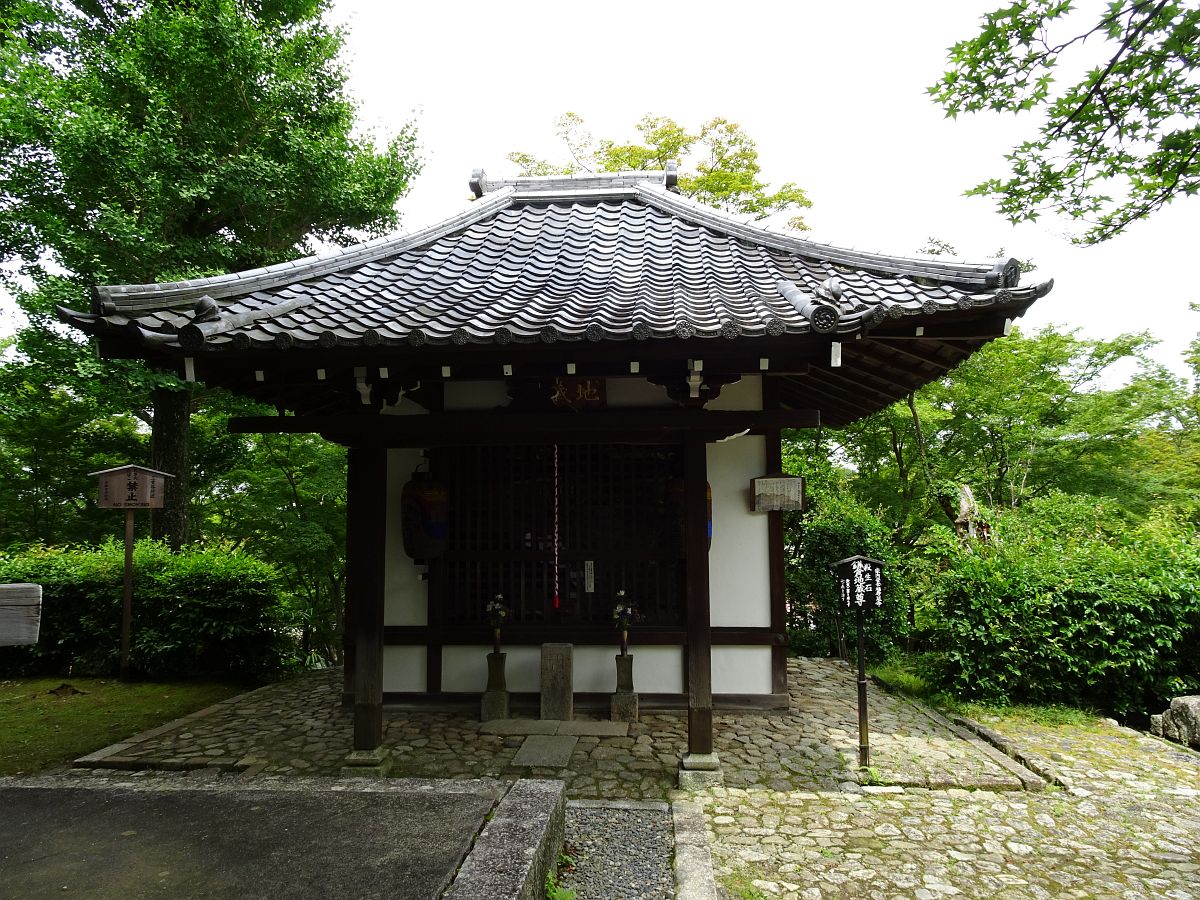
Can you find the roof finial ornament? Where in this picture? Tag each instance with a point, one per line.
(478, 183)
(671, 177)
(831, 289)
(206, 310)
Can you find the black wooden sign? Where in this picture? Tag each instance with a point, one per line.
(860, 579)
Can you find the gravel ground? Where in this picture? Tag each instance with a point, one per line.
(622, 851)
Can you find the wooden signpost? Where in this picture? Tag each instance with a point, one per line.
(860, 580)
(130, 488)
(20, 614)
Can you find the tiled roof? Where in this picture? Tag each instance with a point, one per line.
(596, 258)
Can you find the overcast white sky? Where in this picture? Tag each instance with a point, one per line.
(834, 94)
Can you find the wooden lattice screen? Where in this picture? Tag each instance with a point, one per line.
(619, 507)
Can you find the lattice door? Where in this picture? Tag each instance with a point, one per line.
(619, 509)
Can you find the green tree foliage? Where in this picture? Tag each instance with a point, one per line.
(151, 140)
(1114, 146)
(1021, 418)
(284, 500)
(719, 163)
(836, 525)
(208, 613)
(1069, 604)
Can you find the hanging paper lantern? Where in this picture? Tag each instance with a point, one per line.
(424, 517)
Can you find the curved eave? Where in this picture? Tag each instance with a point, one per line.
(261, 333)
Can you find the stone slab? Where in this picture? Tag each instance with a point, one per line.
(693, 855)
(114, 843)
(519, 726)
(586, 728)
(546, 751)
(518, 847)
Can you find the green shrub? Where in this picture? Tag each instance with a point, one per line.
(831, 529)
(1068, 604)
(197, 613)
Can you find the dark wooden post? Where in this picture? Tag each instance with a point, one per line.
(366, 511)
(127, 597)
(699, 635)
(349, 633)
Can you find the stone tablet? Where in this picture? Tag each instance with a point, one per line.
(558, 686)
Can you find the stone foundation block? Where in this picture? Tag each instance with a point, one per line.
(623, 707)
(375, 763)
(698, 771)
(493, 705)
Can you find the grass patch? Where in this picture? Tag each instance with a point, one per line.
(740, 885)
(899, 677)
(902, 675)
(1051, 714)
(41, 730)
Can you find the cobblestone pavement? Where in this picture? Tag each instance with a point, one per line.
(298, 728)
(1128, 827)
(938, 814)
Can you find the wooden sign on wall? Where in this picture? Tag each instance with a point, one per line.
(773, 493)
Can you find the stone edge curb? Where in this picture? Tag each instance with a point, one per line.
(110, 756)
(143, 781)
(1007, 756)
(694, 878)
(517, 847)
(1031, 761)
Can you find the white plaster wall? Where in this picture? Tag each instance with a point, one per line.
(405, 595)
(465, 668)
(741, 670)
(655, 669)
(632, 392)
(738, 565)
(475, 394)
(404, 669)
(745, 394)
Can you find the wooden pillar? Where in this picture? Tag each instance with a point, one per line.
(349, 638)
(366, 509)
(699, 633)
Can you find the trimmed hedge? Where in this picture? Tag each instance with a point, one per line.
(1069, 605)
(210, 613)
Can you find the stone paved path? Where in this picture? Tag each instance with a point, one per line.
(937, 816)
(299, 728)
(1129, 827)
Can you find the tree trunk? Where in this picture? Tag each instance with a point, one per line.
(170, 451)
